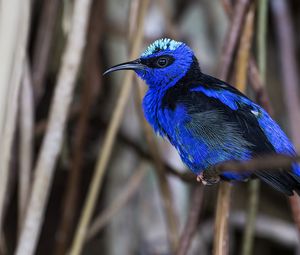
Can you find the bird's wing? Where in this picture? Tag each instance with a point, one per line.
(247, 112)
(258, 128)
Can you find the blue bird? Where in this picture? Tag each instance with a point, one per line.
(207, 120)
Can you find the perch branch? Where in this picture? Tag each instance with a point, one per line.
(191, 225)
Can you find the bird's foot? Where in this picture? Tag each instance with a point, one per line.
(207, 179)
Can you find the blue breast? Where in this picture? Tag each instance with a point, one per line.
(201, 140)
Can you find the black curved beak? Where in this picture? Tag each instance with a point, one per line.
(131, 65)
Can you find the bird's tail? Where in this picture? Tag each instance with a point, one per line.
(282, 180)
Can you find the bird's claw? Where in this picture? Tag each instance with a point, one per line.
(206, 179)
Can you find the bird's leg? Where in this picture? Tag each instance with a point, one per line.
(208, 177)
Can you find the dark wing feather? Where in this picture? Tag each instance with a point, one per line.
(245, 120)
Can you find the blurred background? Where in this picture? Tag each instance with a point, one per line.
(81, 172)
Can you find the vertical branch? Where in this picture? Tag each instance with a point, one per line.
(244, 51)
(192, 221)
(42, 45)
(51, 145)
(221, 220)
(231, 40)
(92, 83)
(248, 237)
(109, 139)
(254, 185)
(26, 141)
(223, 204)
(289, 72)
(262, 38)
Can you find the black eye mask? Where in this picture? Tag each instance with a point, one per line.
(158, 62)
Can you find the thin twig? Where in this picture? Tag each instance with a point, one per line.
(244, 51)
(192, 221)
(248, 238)
(108, 141)
(26, 141)
(270, 162)
(230, 43)
(255, 80)
(130, 188)
(42, 45)
(262, 26)
(254, 185)
(51, 145)
(223, 203)
(289, 65)
(242, 67)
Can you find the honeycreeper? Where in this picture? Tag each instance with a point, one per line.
(207, 120)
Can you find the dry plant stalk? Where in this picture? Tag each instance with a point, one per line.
(242, 67)
(192, 223)
(109, 139)
(14, 26)
(231, 40)
(53, 139)
(91, 85)
(26, 141)
(256, 80)
(223, 204)
(42, 46)
(287, 49)
(244, 51)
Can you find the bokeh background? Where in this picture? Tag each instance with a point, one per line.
(80, 170)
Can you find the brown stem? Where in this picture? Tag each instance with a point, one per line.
(231, 40)
(192, 221)
(92, 83)
(289, 68)
(221, 220)
(42, 45)
(223, 205)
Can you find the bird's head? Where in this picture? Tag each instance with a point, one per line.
(164, 62)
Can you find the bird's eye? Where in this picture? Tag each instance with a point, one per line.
(162, 62)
